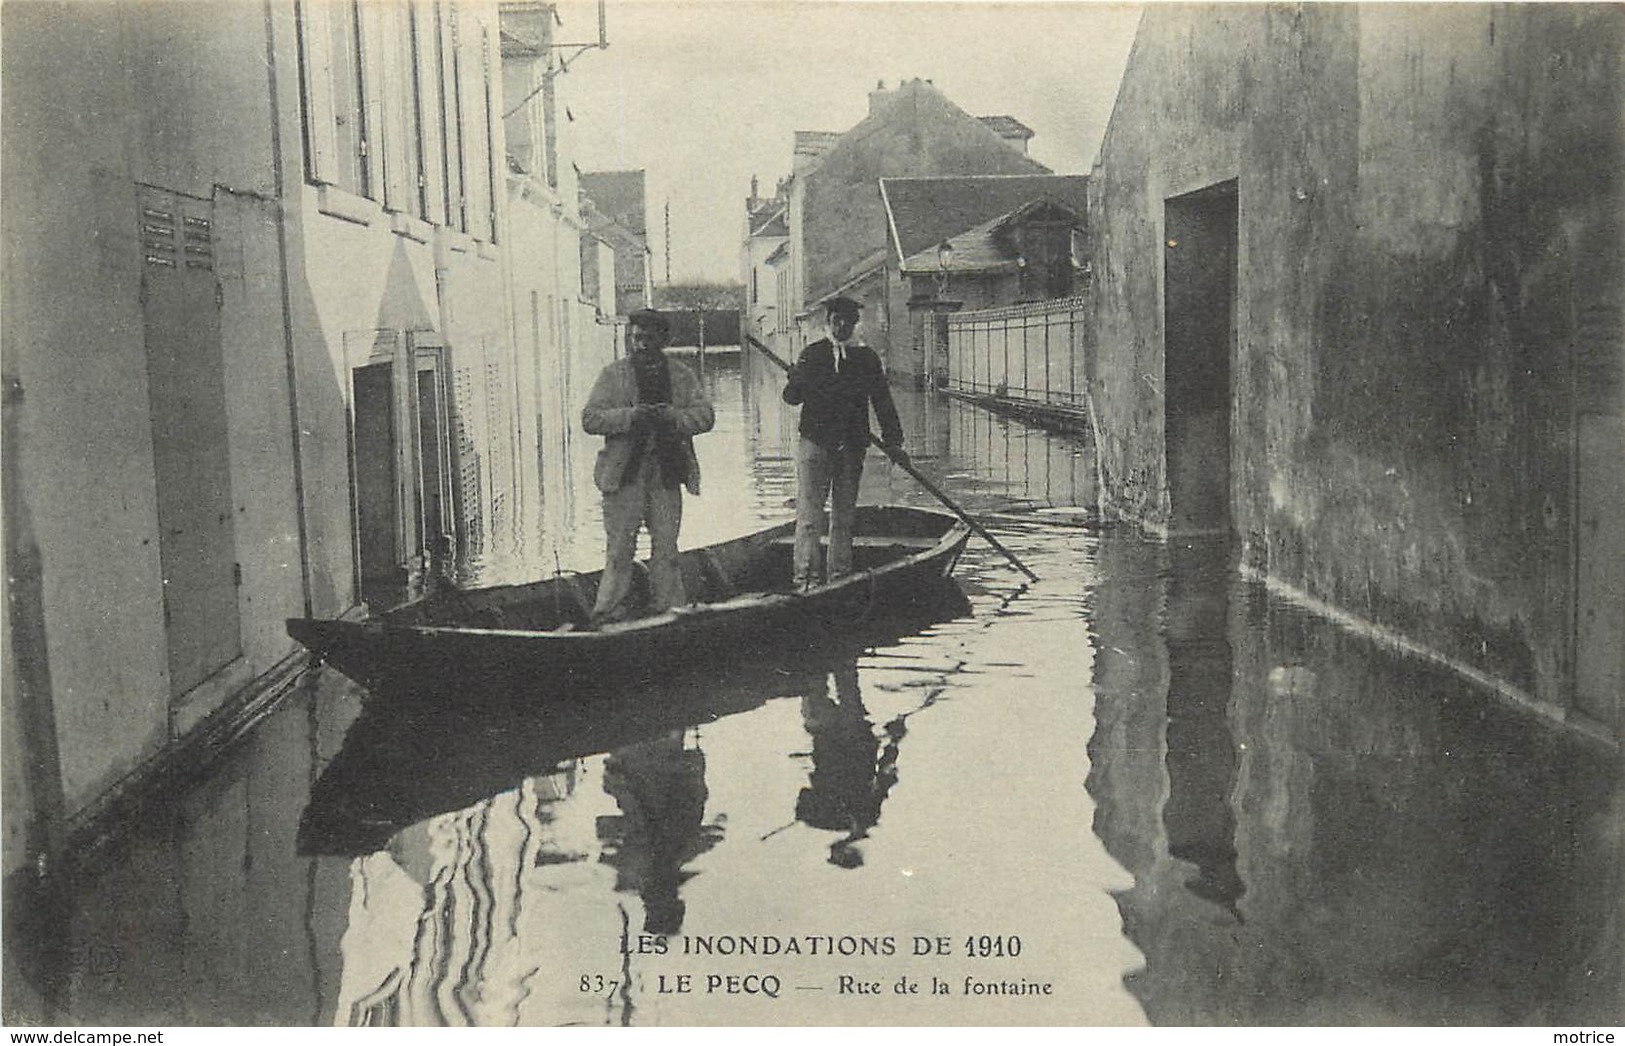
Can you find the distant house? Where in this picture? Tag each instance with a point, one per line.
(602, 242)
(618, 219)
(1010, 239)
(835, 220)
(767, 230)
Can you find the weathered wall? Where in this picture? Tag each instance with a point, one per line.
(204, 105)
(74, 329)
(1429, 291)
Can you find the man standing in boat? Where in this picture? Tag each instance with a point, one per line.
(648, 409)
(835, 381)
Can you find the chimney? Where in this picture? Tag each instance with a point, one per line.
(879, 96)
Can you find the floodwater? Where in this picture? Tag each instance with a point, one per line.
(1139, 790)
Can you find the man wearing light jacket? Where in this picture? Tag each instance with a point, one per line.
(648, 409)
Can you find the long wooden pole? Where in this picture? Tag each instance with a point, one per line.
(907, 466)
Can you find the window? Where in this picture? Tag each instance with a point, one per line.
(451, 120)
(493, 171)
(333, 85)
(418, 150)
(426, 48)
(388, 114)
(400, 147)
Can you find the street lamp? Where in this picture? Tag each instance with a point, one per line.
(938, 369)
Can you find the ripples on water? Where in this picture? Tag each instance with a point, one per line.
(1192, 804)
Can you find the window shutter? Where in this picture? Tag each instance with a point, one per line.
(451, 121)
(399, 145)
(476, 151)
(431, 166)
(495, 165)
(316, 37)
(375, 89)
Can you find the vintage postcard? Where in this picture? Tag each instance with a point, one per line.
(812, 514)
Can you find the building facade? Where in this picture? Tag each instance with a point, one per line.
(263, 355)
(1359, 299)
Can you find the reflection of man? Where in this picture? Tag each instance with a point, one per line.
(648, 409)
(660, 786)
(849, 782)
(835, 381)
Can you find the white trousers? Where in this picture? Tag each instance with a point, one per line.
(641, 501)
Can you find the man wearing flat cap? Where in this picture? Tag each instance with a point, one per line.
(836, 381)
(648, 409)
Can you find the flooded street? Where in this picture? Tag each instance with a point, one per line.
(1140, 790)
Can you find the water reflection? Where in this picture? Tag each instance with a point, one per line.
(852, 769)
(660, 787)
(1321, 832)
(1201, 751)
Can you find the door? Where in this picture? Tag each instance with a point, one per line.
(1199, 339)
(186, 385)
(380, 545)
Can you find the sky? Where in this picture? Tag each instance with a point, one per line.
(703, 94)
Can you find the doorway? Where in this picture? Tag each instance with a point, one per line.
(380, 549)
(401, 456)
(1199, 342)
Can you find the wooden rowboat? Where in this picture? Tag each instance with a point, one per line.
(535, 637)
(410, 756)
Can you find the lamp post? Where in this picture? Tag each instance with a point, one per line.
(938, 367)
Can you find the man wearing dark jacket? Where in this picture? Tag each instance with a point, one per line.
(835, 381)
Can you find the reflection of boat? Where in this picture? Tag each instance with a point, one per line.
(424, 752)
(535, 636)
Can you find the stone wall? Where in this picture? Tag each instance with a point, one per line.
(1426, 314)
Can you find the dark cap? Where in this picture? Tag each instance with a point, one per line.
(649, 318)
(842, 306)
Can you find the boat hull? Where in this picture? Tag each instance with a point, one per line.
(409, 649)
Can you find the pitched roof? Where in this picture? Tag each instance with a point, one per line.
(619, 194)
(608, 229)
(917, 130)
(981, 248)
(816, 140)
(858, 270)
(770, 222)
(922, 212)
